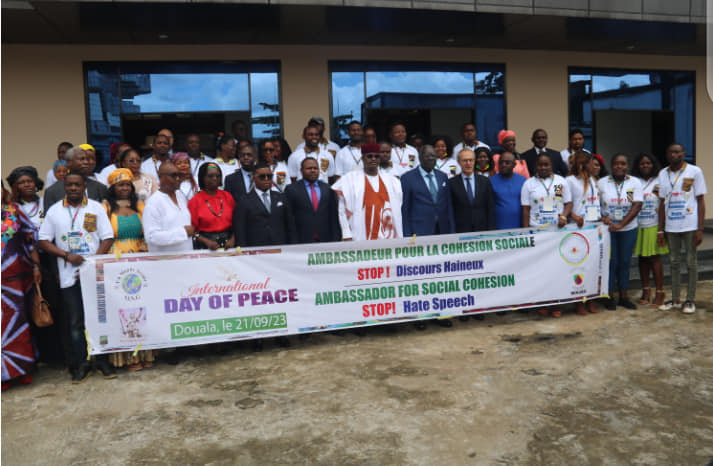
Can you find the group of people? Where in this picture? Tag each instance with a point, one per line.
(266, 194)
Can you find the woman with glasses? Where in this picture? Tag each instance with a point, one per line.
(268, 155)
(144, 183)
(212, 211)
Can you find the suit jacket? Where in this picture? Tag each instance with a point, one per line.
(325, 221)
(255, 226)
(420, 215)
(95, 191)
(235, 185)
(478, 215)
(558, 165)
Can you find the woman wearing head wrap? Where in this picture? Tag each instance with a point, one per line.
(60, 170)
(144, 183)
(188, 186)
(25, 185)
(506, 139)
(124, 210)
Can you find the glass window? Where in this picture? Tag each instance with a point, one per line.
(130, 101)
(656, 107)
(430, 98)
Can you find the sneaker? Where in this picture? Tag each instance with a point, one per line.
(610, 304)
(626, 302)
(106, 369)
(689, 307)
(668, 305)
(81, 373)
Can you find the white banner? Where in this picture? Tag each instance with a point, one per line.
(158, 301)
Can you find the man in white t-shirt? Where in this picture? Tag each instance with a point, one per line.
(161, 153)
(682, 188)
(73, 229)
(470, 139)
(404, 157)
(349, 157)
(312, 148)
(325, 144)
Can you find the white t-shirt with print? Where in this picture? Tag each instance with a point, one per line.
(546, 199)
(280, 177)
(649, 214)
(618, 198)
(586, 205)
(449, 166)
(679, 191)
(403, 159)
(78, 230)
(347, 159)
(326, 164)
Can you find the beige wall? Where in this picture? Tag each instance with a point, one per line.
(43, 88)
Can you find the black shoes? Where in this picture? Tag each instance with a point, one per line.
(106, 369)
(444, 323)
(81, 373)
(610, 304)
(626, 302)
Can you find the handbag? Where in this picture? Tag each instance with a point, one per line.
(41, 315)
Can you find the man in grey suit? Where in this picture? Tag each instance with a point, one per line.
(77, 162)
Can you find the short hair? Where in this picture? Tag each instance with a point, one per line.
(469, 123)
(260, 166)
(302, 163)
(537, 131)
(395, 124)
(544, 154)
(461, 151)
(674, 144)
(574, 131)
(654, 161)
(155, 138)
(84, 177)
(617, 155)
(71, 153)
(446, 140)
(354, 122)
(68, 145)
(203, 171)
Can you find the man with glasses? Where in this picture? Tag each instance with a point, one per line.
(369, 201)
(167, 220)
(472, 195)
(262, 216)
(507, 186)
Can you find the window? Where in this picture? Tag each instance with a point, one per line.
(430, 98)
(633, 111)
(131, 101)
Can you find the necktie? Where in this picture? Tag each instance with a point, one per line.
(266, 200)
(469, 188)
(313, 195)
(432, 188)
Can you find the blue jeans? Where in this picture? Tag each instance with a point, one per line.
(622, 246)
(74, 324)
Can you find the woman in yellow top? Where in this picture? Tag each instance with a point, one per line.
(124, 210)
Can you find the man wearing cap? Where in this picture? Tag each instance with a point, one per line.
(312, 148)
(369, 201)
(77, 162)
(324, 143)
(91, 160)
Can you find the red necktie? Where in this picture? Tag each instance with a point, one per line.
(315, 199)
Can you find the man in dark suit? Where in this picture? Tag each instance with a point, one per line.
(77, 162)
(313, 206)
(262, 216)
(238, 183)
(426, 207)
(539, 139)
(472, 197)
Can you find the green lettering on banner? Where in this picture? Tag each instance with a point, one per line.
(208, 328)
(358, 255)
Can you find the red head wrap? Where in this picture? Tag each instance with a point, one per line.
(505, 133)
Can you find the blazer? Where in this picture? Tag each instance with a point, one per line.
(325, 221)
(255, 226)
(420, 215)
(235, 185)
(559, 167)
(478, 215)
(55, 193)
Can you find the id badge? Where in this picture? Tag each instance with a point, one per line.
(74, 242)
(618, 214)
(591, 213)
(548, 204)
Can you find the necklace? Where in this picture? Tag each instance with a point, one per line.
(34, 210)
(211, 209)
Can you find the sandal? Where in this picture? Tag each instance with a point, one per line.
(147, 364)
(645, 295)
(135, 367)
(660, 297)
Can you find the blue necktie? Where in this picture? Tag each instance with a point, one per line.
(432, 188)
(469, 188)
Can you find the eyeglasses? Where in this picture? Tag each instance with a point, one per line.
(264, 176)
(372, 156)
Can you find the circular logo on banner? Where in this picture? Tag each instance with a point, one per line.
(574, 248)
(131, 283)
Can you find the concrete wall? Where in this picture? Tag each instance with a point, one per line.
(43, 88)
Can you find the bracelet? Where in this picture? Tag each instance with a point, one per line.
(66, 256)
(563, 218)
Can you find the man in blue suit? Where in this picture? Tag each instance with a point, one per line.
(427, 208)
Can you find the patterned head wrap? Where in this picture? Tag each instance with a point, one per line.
(120, 174)
(179, 156)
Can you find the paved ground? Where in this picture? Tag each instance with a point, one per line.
(624, 387)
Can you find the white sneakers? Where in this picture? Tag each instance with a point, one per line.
(668, 305)
(689, 307)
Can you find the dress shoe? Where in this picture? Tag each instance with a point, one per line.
(626, 302)
(106, 369)
(81, 373)
(444, 323)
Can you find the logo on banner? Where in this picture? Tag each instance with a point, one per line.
(574, 248)
(130, 282)
(132, 322)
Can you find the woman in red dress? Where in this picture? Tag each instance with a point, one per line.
(20, 266)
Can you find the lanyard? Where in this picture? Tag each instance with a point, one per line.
(680, 172)
(401, 155)
(76, 212)
(357, 160)
(445, 161)
(33, 212)
(547, 188)
(619, 187)
(591, 191)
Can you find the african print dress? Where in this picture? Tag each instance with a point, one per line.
(18, 239)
